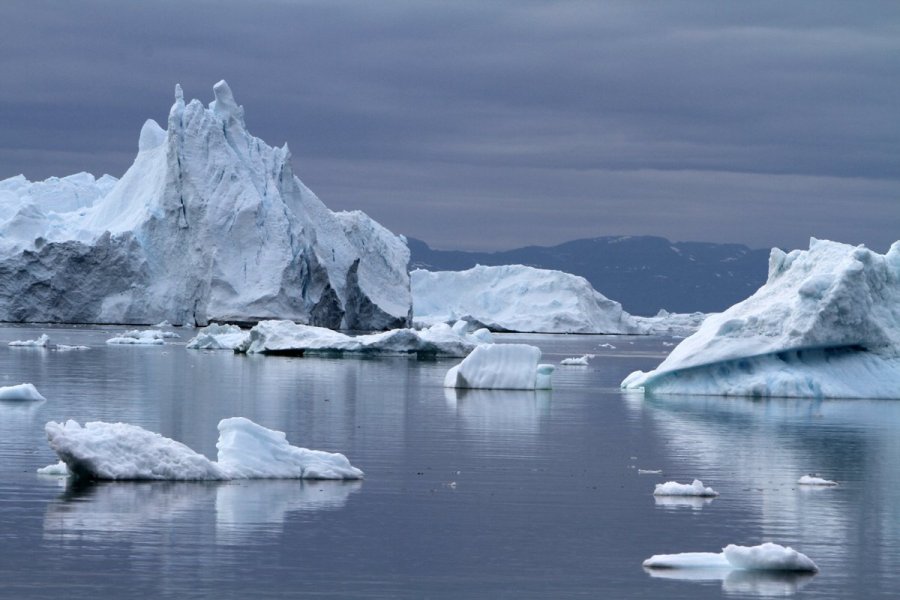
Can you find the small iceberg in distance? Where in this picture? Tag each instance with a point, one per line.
(147, 337)
(581, 361)
(246, 450)
(42, 342)
(695, 489)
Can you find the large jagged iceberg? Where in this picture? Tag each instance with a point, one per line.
(246, 450)
(517, 298)
(209, 223)
(825, 324)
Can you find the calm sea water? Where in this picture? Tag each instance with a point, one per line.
(477, 495)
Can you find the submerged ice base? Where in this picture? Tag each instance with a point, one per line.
(119, 451)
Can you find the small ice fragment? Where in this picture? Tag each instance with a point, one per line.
(649, 471)
(672, 488)
(610, 346)
(813, 480)
(57, 469)
(581, 361)
(764, 557)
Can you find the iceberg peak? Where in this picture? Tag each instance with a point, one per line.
(152, 136)
(224, 105)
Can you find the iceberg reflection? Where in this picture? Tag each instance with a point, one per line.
(509, 411)
(740, 581)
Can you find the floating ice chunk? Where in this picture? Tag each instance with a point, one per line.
(649, 471)
(581, 361)
(58, 469)
(688, 560)
(813, 480)
(68, 348)
(824, 325)
(120, 451)
(218, 337)
(517, 298)
(501, 367)
(673, 488)
(250, 451)
(287, 337)
(768, 557)
(147, 337)
(165, 324)
(41, 342)
(23, 391)
(765, 557)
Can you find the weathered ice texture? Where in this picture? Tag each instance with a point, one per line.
(208, 223)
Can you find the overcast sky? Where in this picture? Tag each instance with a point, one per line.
(492, 125)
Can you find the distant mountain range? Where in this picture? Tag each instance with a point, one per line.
(644, 273)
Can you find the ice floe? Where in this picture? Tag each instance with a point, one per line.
(501, 367)
(42, 342)
(147, 337)
(581, 361)
(764, 557)
(23, 391)
(246, 450)
(218, 337)
(825, 324)
(673, 488)
(287, 337)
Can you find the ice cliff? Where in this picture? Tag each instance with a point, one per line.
(517, 298)
(825, 324)
(208, 223)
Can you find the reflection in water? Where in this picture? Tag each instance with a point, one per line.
(500, 410)
(128, 510)
(246, 508)
(758, 449)
(675, 502)
(739, 581)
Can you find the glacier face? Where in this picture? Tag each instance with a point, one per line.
(517, 298)
(825, 324)
(208, 223)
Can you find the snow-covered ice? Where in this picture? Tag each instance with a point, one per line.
(581, 361)
(764, 557)
(814, 480)
(673, 488)
(42, 342)
(246, 450)
(209, 223)
(825, 324)
(287, 337)
(147, 337)
(517, 298)
(218, 337)
(501, 367)
(23, 391)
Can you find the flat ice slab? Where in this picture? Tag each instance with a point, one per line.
(581, 361)
(246, 450)
(147, 337)
(695, 488)
(501, 367)
(765, 557)
(41, 342)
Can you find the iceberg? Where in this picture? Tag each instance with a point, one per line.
(209, 223)
(246, 450)
(501, 367)
(218, 337)
(764, 557)
(23, 391)
(826, 324)
(289, 338)
(673, 488)
(517, 298)
(580, 361)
